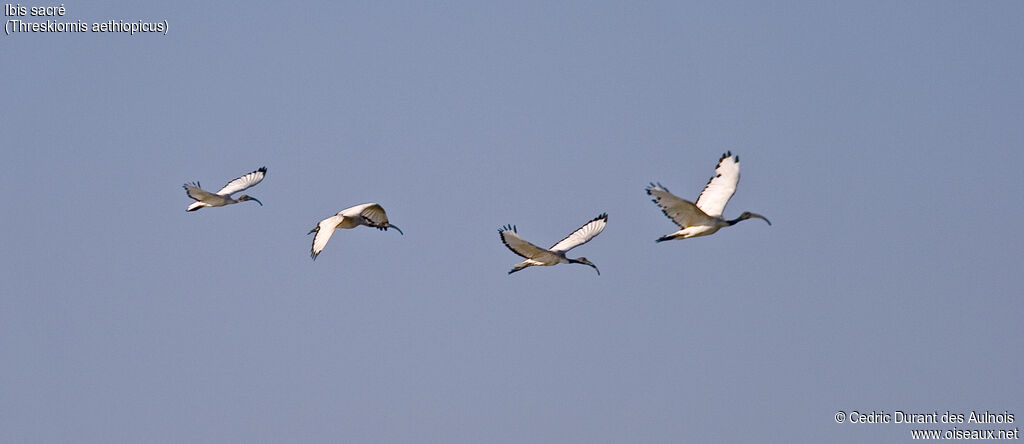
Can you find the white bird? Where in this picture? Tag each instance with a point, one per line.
(223, 197)
(369, 214)
(556, 254)
(704, 217)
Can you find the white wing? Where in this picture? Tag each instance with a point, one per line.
(721, 187)
(683, 212)
(195, 192)
(583, 235)
(520, 246)
(243, 182)
(375, 216)
(324, 230)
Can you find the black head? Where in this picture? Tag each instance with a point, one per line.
(747, 215)
(244, 198)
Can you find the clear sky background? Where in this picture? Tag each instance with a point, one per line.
(884, 141)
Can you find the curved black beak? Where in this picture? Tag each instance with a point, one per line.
(761, 217)
(584, 261)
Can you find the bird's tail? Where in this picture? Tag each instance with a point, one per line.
(518, 267)
(665, 238)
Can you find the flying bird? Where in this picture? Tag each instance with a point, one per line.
(705, 217)
(223, 197)
(556, 254)
(369, 214)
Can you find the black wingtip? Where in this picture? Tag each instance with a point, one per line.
(654, 185)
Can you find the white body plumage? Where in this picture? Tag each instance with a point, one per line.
(369, 214)
(222, 197)
(556, 254)
(703, 218)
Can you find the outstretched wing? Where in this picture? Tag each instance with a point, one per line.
(243, 182)
(193, 191)
(682, 212)
(518, 245)
(375, 216)
(324, 230)
(721, 187)
(582, 235)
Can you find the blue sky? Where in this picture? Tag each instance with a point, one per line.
(882, 140)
